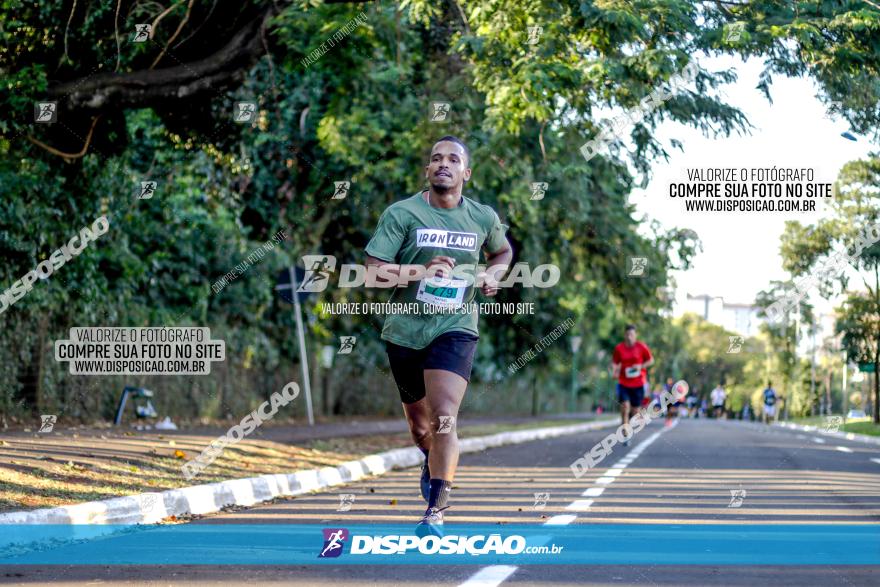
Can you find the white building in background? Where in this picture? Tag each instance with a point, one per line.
(744, 319)
(740, 318)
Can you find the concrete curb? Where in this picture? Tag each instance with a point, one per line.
(148, 508)
(845, 435)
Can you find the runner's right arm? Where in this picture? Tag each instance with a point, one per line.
(615, 365)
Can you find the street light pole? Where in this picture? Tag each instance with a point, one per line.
(303, 355)
(301, 339)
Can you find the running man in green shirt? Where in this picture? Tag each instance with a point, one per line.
(431, 353)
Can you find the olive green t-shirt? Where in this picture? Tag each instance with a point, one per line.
(412, 232)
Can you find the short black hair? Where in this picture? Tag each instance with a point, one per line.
(457, 141)
(629, 327)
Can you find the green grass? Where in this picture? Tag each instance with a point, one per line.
(862, 426)
(810, 420)
(854, 425)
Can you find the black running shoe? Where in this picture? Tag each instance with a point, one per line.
(425, 481)
(431, 523)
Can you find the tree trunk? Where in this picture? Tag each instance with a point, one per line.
(535, 398)
(828, 393)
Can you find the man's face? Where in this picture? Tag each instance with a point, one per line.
(630, 337)
(447, 168)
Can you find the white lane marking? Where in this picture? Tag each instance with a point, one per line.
(843, 449)
(496, 574)
(876, 461)
(819, 440)
(489, 576)
(579, 505)
(613, 472)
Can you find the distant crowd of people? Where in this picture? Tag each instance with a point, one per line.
(717, 405)
(630, 362)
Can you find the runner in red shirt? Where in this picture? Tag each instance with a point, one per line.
(629, 364)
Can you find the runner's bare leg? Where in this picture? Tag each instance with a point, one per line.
(418, 416)
(445, 390)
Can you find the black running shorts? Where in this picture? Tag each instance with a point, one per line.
(451, 351)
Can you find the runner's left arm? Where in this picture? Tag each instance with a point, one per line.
(650, 360)
(499, 254)
(498, 264)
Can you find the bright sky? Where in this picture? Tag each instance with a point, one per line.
(741, 249)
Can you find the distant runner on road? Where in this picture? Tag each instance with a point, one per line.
(629, 365)
(431, 354)
(679, 394)
(718, 396)
(770, 398)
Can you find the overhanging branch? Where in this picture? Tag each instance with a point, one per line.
(146, 88)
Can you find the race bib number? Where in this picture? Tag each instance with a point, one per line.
(631, 372)
(448, 292)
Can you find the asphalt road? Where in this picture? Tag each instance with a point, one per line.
(683, 475)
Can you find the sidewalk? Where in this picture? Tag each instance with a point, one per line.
(818, 430)
(75, 465)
